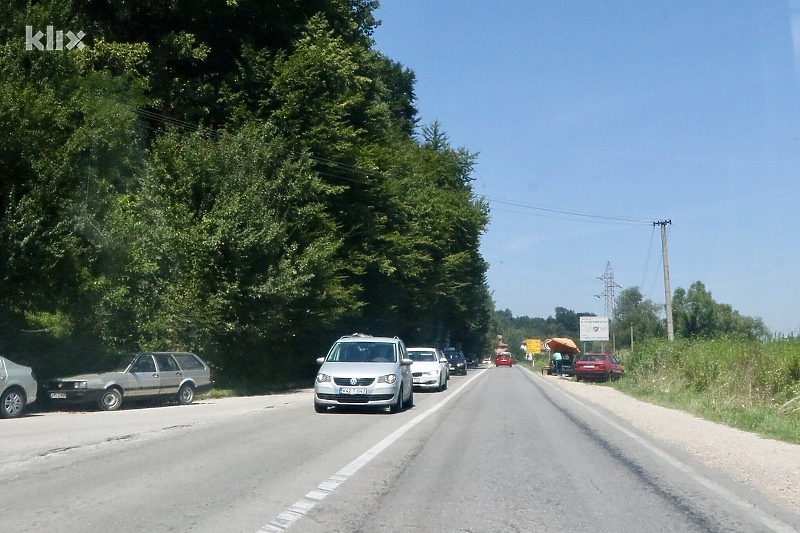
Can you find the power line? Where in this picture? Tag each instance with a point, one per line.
(567, 212)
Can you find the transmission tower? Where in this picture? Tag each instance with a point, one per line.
(609, 285)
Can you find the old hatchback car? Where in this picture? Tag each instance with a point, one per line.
(598, 367)
(430, 369)
(166, 375)
(367, 371)
(18, 386)
(503, 359)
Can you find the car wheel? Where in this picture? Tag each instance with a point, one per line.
(577, 378)
(111, 400)
(398, 405)
(186, 394)
(12, 404)
(410, 403)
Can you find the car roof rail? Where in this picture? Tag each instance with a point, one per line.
(355, 335)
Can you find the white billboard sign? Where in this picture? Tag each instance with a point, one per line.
(594, 328)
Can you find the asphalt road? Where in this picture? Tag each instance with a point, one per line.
(502, 450)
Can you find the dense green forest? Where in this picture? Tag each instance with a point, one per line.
(247, 180)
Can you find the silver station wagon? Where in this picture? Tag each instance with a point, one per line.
(166, 375)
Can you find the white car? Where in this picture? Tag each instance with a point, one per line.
(367, 371)
(430, 369)
(19, 388)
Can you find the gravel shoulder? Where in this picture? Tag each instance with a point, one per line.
(768, 466)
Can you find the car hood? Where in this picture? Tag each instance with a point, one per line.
(100, 376)
(359, 369)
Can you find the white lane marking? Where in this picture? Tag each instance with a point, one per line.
(775, 524)
(304, 505)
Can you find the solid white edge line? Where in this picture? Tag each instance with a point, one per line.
(301, 507)
(771, 522)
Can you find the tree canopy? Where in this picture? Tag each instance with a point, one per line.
(243, 179)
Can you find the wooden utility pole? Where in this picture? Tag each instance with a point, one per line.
(667, 290)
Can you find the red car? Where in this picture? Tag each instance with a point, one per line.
(598, 367)
(504, 359)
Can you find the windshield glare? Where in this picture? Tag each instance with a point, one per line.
(422, 356)
(363, 352)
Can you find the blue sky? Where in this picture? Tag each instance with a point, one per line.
(641, 111)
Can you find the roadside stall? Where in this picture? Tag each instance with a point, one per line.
(568, 350)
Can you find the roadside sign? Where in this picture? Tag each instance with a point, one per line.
(533, 346)
(594, 328)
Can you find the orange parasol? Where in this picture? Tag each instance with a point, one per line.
(563, 344)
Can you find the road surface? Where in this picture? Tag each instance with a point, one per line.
(502, 450)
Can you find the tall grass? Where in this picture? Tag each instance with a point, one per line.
(752, 385)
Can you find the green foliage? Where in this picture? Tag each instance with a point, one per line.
(747, 383)
(697, 315)
(633, 312)
(238, 178)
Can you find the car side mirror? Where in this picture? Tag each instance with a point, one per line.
(320, 360)
(443, 360)
(407, 361)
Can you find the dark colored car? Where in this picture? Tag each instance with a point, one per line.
(567, 365)
(598, 367)
(504, 359)
(165, 375)
(458, 363)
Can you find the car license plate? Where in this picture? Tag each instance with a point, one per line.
(352, 390)
(417, 380)
(588, 366)
(57, 395)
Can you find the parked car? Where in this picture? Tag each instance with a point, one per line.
(19, 387)
(598, 367)
(364, 370)
(457, 362)
(472, 361)
(503, 359)
(430, 369)
(166, 375)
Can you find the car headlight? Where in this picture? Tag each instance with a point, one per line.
(80, 385)
(388, 378)
(432, 373)
(323, 378)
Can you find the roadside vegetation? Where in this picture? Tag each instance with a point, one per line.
(752, 385)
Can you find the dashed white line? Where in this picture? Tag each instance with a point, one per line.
(300, 508)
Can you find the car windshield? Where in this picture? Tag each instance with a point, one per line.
(422, 356)
(362, 352)
(593, 357)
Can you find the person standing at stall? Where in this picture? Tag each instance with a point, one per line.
(559, 363)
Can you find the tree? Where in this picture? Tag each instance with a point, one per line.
(697, 315)
(634, 313)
